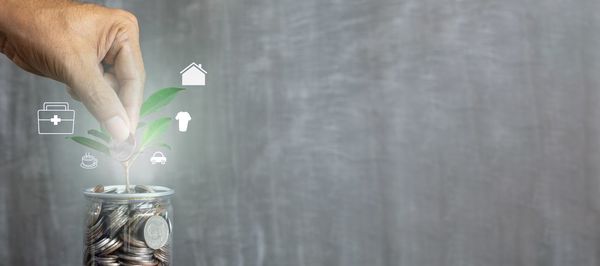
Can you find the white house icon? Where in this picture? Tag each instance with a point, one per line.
(193, 75)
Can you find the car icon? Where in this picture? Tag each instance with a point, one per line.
(158, 157)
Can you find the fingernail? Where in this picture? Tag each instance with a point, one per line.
(117, 128)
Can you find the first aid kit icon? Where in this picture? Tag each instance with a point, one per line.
(55, 119)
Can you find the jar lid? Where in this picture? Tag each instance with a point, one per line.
(120, 194)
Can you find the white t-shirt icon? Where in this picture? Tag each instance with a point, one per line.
(183, 118)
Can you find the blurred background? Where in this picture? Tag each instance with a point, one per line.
(382, 132)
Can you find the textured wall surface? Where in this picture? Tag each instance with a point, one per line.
(381, 132)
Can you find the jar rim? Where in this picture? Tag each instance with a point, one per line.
(160, 192)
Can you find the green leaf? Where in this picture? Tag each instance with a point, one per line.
(155, 129)
(103, 130)
(158, 100)
(100, 135)
(141, 125)
(166, 146)
(90, 143)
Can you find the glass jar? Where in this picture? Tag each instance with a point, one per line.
(128, 228)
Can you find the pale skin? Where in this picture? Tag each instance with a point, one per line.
(92, 49)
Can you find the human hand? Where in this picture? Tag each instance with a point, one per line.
(93, 49)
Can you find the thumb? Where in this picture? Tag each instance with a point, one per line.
(102, 101)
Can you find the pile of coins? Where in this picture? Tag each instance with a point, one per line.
(127, 233)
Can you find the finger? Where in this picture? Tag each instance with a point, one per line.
(129, 72)
(109, 78)
(112, 81)
(73, 94)
(101, 100)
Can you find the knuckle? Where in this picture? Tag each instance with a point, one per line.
(129, 18)
(93, 96)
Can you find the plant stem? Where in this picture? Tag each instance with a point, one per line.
(126, 165)
(127, 185)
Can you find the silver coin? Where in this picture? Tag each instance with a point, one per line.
(137, 250)
(95, 232)
(110, 190)
(127, 233)
(133, 241)
(94, 213)
(162, 254)
(156, 232)
(122, 151)
(143, 189)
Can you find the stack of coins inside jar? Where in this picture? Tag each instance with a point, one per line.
(128, 228)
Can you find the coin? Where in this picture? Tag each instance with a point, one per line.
(99, 189)
(122, 151)
(110, 190)
(127, 232)
(143, 189)
(162, 254)
(156, 232)
(118, 218)
(95, 232)
(94, 213)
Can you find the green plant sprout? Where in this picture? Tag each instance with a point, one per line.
(152, 134)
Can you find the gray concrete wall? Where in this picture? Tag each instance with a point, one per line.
(383, 132)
